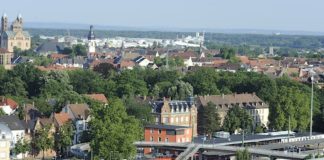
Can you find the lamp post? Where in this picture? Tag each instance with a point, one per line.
(311, 111)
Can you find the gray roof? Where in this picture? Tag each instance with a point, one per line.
(224, 101)
(50, 47)
(13, 122)
(11, 34)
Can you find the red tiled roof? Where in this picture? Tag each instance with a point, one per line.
(61, 118)
(57, 56)
(56, 68)
(8, 101)
(98, 97)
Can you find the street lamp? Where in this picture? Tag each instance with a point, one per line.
(311, 114)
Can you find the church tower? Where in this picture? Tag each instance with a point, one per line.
(4, 23)
(91, 41)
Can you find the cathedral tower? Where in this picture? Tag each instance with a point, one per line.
(4, 23)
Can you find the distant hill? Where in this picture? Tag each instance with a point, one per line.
(165, 29)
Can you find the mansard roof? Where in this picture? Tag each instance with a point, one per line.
(175, 105)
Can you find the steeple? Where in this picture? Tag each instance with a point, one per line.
(91, 35)
(91, 42)
(122, 49)
(4, 22)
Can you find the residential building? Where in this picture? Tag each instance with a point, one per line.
(60, 119)
(258, 109)
(16, 126)
(166, 133)
(14, 36)
(5, 58)
(5, 140)
(176, 112)
(80, 115)
(142, 61)
(8, 105)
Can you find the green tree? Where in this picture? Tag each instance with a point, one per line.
(86, 81)
(13, 86)
(106, 70)
(243, 155)
(43, 140)
(203, 81)
(28, 73)
(140, 109)
(63, 138)
(208, 119)
(80, 50)
(22, 146)
(180, 90)
(112, 130)
(237, 118)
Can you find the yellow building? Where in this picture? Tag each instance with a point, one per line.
(15, 36)
(5, 58)
(5, 139)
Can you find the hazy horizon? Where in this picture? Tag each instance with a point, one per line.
(277, 15)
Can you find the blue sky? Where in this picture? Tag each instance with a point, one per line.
(303, 15)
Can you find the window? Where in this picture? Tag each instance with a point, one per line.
(151, 139)
(3, 144)
(171, 120)
(166, 139)
(181, 119)
(166, 120)
(160, 139)
(80, 127)
(3, 155)
(152, 130)
(3, 136)
(177, 120)
(187, 119)
(160, 131)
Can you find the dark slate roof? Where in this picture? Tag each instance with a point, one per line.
(139, 59)
(161, 126)
(13, 122)
(174, 105)
(50, 47)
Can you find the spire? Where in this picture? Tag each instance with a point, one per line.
(91, 35)
(122, 49)
(19, 16)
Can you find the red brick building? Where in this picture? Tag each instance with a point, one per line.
(166, 133)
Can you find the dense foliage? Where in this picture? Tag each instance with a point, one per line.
(50, 91)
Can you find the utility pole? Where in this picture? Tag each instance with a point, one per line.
(311, 114)
(243, 139)
(289, 129)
